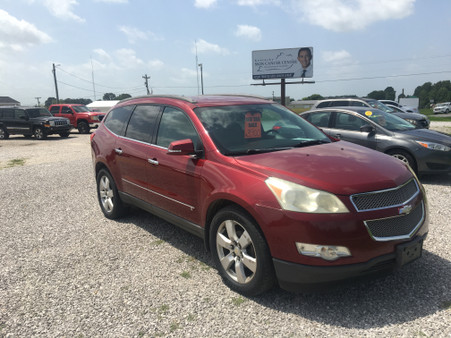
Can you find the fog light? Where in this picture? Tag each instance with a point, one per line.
(327, 252)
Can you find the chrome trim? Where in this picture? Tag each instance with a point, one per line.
(158, 194)
(393, 238)
(386, 190)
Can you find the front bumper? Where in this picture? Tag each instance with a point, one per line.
(58, 129)
(298, 277)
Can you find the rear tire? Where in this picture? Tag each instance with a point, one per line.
(241, 253)
(3, 134)
(108, 196)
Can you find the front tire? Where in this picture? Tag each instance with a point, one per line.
(83, 128)
(241, 253)
(64, 135)
(39, 134)
(404, 157)
(3, 134)
(108, 196)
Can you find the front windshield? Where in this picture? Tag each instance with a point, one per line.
(81, 109)
(250, 129)
(379, 105)
(38, 112)
(388, 121)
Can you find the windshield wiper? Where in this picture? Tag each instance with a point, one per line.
(255, 151)
(311, 143)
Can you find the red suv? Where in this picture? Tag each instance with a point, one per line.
(79, 115)
(273, 197)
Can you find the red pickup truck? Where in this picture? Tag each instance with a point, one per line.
(79, 115)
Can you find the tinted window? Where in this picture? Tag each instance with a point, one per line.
(340, 103)
(117, 119)
(323, 104)
(319, 119)
(142, 123)
(348, 122)
(358, 104)
(20, 114)
(66, 110)
(7, 113)
(174, 126)
(55, 109)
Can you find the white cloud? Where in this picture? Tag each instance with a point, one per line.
(19, 34)
(249, 32)
(127, 58)
(348, 15)
(155, 64)
(113, 1)
(336, 57)
(254, 3)
(204, 47)
(62, 9)
(134, 34)
(204, 3)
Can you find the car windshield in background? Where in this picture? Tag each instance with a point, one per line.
(81, 109)
(389, 121)
(38, 112)
(379, 105)
(251, 129)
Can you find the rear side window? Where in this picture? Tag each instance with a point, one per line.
(320, 120)
(142, 123)
(55, 109)
(7, 113)
(174, 126)
(323, 104)
(117, 119)
(340, 103)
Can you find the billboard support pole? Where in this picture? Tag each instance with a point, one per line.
(282, 92)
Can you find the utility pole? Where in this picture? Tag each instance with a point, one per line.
(201, 78)
(37, 98)
(56, 84)
(146, 82)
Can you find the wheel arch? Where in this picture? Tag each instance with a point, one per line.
(393, 150)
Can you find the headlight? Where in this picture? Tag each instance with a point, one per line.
(95, 118)
(414, 122)
(295, 197)
(433, 146)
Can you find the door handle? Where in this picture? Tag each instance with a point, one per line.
(118, 151)
(152, 161)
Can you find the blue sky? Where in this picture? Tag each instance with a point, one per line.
(359, 45)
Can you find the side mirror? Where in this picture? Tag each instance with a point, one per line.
(367, 128)
(181, 147)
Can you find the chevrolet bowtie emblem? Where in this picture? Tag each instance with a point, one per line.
(405, 210)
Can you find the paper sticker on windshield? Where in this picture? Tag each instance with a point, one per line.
(368, 113)
(253, 125)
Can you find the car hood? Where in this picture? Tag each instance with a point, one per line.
(340, 167)
(412, 116)
(427, 135)
(48, 118)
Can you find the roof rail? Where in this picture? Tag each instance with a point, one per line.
(240, 95)
(179, 97)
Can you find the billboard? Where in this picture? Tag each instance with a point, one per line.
(282, 63)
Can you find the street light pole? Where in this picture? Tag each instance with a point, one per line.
(56, 84)
(201, 78)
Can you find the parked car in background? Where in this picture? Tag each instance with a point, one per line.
(418, 120)
(405, 109)
(272, 196)
(79, 115)
(31, 121)
(442, 108)
(426, 151)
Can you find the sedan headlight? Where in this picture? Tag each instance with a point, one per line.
(414, 122)
(95, 118)
(295, 197)
(433, 146)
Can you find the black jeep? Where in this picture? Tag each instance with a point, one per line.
(30, 121)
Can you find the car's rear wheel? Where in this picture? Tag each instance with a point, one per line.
(64, 135)
(241, 253)
(39, 133)
(3, 134)
(108, 196)
(404, 157)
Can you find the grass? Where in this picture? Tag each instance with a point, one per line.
(17, 162)
(433, 117)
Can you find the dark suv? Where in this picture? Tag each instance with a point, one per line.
(272, 196)
(418, 120)
(29, 121)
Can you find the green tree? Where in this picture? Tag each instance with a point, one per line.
(314, 97)
(390, 93)
(123, 96)
(377, 95)
(109, 96)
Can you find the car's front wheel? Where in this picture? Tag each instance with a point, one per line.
(83, 127)
(64, 135)
(404, 157)
(39, 133)
(108, 196)
(241, 253)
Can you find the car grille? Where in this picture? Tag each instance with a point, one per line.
(60, 122)
(398, 227)
(385, 198)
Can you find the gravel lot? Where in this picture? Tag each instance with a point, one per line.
(68, 271)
